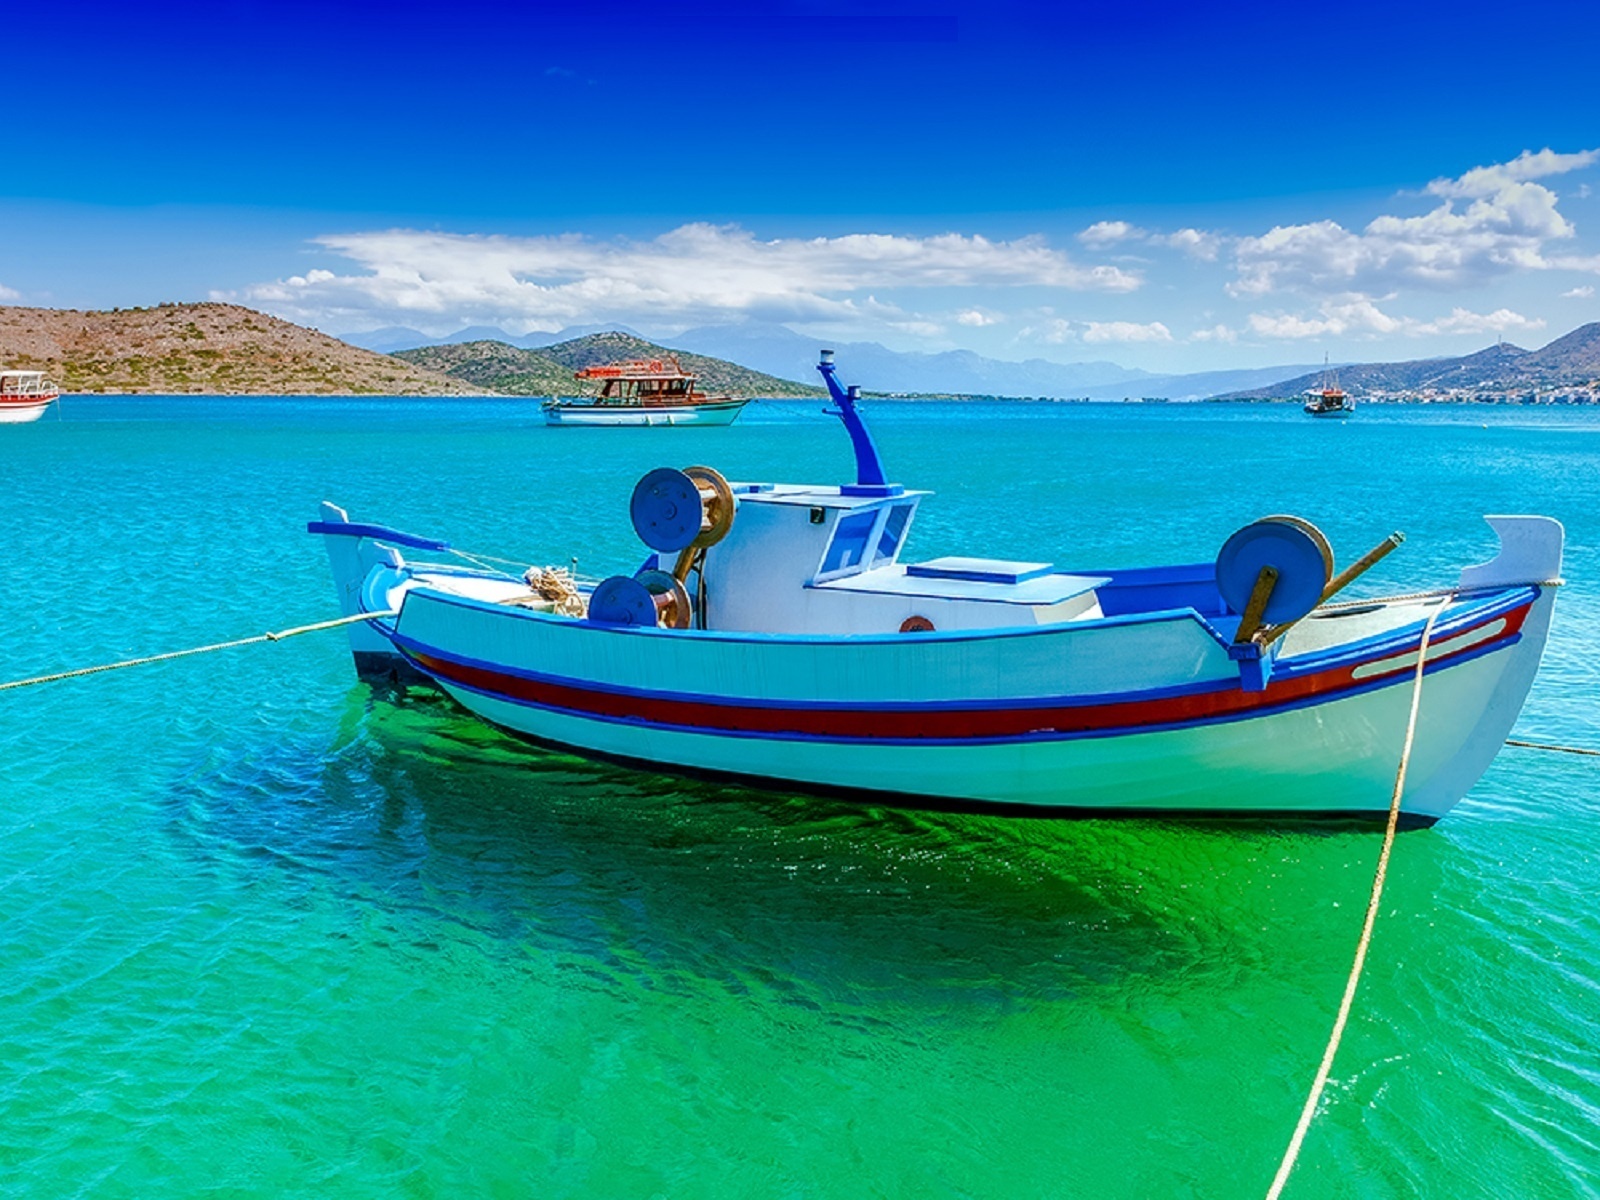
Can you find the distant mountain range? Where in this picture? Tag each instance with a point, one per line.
(1570, 363)
(512, 370)
(223, 348)
(781, 353)
(392, 338)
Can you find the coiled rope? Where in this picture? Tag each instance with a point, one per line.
(279, 636)
(557, 585)
(1309, 1111)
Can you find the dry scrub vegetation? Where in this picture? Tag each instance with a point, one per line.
(212, 348)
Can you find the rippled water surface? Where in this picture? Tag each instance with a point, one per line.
(267, 932)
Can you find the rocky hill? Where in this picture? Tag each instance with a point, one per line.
(211, 348)
(495, 367)
(1574, 358)
(549, 370)
(1568, 367)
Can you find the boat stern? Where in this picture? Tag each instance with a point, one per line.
(1473, 730)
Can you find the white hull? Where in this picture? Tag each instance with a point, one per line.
(1334, 759)
(641, 415)
(12, 413)
(1330, 750)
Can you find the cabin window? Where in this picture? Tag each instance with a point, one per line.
(849, 545)
(894, 528)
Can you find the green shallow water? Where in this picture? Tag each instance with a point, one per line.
(267, 932)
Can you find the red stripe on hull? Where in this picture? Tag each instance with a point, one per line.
(914, 722)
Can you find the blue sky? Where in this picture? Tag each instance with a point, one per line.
(1170, 187)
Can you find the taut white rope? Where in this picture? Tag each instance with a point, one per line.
(1310, 1109)
(249, 641)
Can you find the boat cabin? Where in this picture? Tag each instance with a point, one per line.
(643, 382)
(816, 560)
(26, 383)
(825, 560)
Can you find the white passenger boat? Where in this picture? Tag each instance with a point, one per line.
(642, 392)
(24, 396)
(775, 634)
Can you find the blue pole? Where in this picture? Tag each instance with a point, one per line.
(870, 479)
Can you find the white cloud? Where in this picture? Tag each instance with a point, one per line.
(1217, 333)
(1360, 317)
(1052, 331)
(1106, 233)
(1501, 320)
(1579, 293)
(1126, 331)
(1487, 181)
(9, 293)
(694, 273)
(976, 318)
(1289, 326)
(1577, 263)
(1197, 243)
(1503, 227)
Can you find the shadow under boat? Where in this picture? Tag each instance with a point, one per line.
(628, 878)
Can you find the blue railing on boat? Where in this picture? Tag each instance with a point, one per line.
(383, 533)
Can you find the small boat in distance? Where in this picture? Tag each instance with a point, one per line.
(1327, 399)
(642, 392)
(24, 395)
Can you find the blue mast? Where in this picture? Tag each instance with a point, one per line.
(870, 480)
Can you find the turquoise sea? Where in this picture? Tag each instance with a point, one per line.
(267, 932)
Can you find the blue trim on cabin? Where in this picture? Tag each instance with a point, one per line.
(872, 489)
(1358, 689)
(1030, 593)
(360, 529)
(980, 570)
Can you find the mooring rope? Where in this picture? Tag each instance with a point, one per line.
(1552, 746)
(1310, 1109)
(279, 636)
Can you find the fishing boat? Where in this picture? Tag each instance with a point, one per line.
(1328, 399)
(642, 392)
(774, 633)
(24, 396)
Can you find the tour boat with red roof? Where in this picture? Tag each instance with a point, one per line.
(642, 392)
(774, 632)
(1328, 399)
(24, 396)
